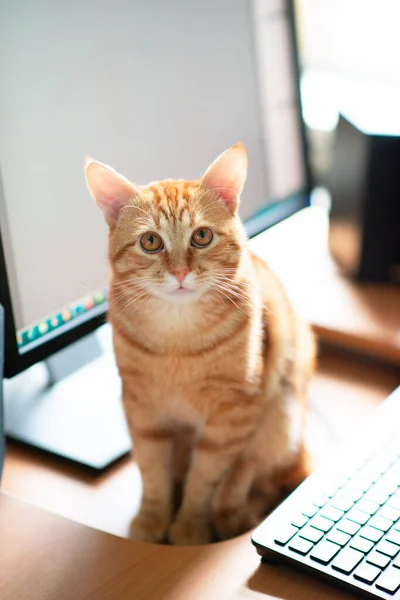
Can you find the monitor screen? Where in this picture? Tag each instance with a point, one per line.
(132, 85)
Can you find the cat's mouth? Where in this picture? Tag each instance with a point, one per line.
(181, 291)
(182, 294)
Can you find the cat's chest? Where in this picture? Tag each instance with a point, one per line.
(178, 410)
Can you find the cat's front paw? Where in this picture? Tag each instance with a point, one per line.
(190, 532)
(150, 527)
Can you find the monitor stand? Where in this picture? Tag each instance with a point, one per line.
(68, 409)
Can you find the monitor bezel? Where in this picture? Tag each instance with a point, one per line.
(16, 362)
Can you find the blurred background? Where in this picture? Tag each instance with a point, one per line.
(350, 86)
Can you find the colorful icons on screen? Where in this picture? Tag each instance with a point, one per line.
(30, 334)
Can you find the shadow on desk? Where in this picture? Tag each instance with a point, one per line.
(281, 582)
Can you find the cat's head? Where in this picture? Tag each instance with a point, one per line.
(176, 240)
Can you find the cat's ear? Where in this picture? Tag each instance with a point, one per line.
(227, 175)
(110, 190)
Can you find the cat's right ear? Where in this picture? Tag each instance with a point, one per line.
(110, 190)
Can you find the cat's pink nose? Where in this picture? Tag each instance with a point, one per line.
(180, 274)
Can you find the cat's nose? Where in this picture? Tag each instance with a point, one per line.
(180, 274)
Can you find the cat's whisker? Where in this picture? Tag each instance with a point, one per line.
(231, 287)
(228, 298)
(120, 284)
(120, 291)
(127, 289)
(146, 295)
(114, 301)
(132, 281)
(121, 294)
(232, 292)
(247, 301)
(231, 277)
(135, 298)
(235, 283)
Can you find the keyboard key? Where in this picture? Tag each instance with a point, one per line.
(361, 544)
(394, 502)
(329, 488)
(321, 523)
(371, 534)
(334, 514)
(396, 562)
(300, 545)
(357, 516)
(388, 548)
(376, 496)
(285, 534)
(368, 506)
(380, 464)
(378, 559)
(348, 526)
(324, 552)
(361, 483)
(367, 573)
(387, 512)
(351, 492)
(310, 511)
(311, 534)
(371, 474)
(389, 581)
(320, 500)
(394, 474)
(386, 486)
(347, 560)
(341, 502)
(394, 537)
(338, 537)
(299, 521)
(380, 523)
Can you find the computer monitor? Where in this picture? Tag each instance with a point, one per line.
(133, 85)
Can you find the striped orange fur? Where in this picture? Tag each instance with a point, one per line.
(213, 360)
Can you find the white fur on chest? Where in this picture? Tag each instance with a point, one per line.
(179, 410)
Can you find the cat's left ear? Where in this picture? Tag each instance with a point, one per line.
(227, 175)
(110, 190)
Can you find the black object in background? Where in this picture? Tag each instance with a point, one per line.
(2, 443)
(365, 187)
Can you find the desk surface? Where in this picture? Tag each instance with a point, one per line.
(47, 557)
(44, 556)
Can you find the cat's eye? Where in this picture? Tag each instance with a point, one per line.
(151, 242)
(202, 237)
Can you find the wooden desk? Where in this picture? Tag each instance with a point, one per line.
(44, 556)
(47, 557)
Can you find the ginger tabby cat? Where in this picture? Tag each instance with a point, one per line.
(213, 361)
